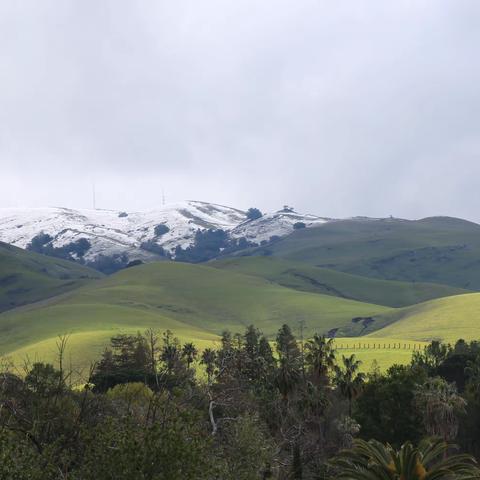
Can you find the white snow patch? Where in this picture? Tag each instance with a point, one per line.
(110, 233)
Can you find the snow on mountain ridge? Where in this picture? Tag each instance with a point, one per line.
(112, 232)
(278, 223)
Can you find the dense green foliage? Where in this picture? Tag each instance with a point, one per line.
(154, 408)
(374, 461)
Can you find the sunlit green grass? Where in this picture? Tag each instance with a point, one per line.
(301, 276)
(383, 352)
(196, 302)
(446, 319)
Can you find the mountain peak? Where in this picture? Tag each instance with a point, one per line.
(141, 234)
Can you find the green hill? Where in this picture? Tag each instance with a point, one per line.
(438, 250)
(194, 301)
(446, 319)
(300, 276)
(27, 277)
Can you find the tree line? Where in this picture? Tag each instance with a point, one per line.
(155, 408)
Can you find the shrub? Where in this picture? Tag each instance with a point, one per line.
(254, 213)
(299, 225)
(160, 230)
(38, 242)
(153, 247)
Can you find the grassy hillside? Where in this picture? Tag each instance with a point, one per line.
(446, 319)
(194, 301)
(27, 277)
(436, 250)
(300, 276)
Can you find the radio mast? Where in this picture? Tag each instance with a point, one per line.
(93, 196)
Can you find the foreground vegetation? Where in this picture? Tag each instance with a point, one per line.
(154, 408)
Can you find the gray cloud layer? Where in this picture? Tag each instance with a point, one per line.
(339, 108)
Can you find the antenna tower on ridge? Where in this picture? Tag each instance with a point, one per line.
(93, 196)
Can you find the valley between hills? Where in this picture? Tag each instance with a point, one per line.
(364, 281)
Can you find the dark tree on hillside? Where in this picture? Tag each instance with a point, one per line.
(153, 247)
(160, 230)
(38, 242)
(299, 225)
(254, 213)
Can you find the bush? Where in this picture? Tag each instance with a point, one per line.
(254, 213)
(38, 242)
(153, 247)
(160, 230)
(42, 243)
(109, 264)
(299, 225)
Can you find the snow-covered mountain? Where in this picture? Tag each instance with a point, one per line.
(132, 233)
(276, 224)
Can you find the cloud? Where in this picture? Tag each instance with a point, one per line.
(338, 108)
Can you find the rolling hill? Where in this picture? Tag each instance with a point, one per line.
(194, 301)
(301, 276)
(27, 277)
(446, 319)
(440, 250)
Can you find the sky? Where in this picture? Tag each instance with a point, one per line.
(338, 108)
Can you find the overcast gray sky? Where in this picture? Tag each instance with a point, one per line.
(338, 108)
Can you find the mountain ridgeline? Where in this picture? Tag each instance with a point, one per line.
(198, 269)
(437, 250)
(110, 240)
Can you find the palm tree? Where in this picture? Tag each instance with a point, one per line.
(440, 405)
(375, 461)
(350, 380)
(189, 353)
(209, 358)
(288, 375)
(320, 357)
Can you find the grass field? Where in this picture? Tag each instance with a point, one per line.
(194, 301)
(381, 351)
(27, 277)
(197, 302)
(436, 250)
(300, 276)
(446, 319)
